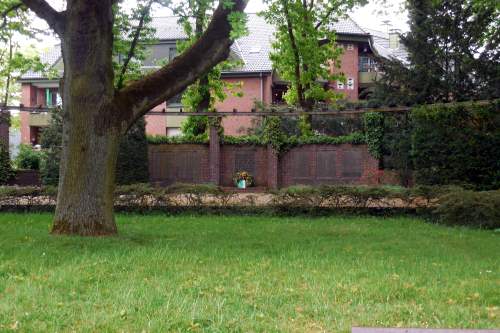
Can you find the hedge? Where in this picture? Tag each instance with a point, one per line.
(443, 204)
(457, 144)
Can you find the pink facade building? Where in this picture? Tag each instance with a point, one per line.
(259, 83)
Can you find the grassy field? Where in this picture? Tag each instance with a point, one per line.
(247, 274)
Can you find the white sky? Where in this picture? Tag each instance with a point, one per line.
(375, 15)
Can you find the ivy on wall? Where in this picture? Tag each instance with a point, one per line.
(374, 133)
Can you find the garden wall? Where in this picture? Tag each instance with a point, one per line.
(312, 164)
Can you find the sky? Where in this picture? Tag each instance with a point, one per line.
(377, 14)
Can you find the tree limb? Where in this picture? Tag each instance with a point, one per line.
(140, 96)
(54, 18)
(327, 15)
(133, 45)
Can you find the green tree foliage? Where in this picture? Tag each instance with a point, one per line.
(305, 52)
(454, 54)
(14, 62)
(51, 142)
(201, 96)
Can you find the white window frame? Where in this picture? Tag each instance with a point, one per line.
(350, 83)
(340, 85)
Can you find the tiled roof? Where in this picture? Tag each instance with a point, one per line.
(381, 46)
(253, 49)
(348, 26)
(50, 58)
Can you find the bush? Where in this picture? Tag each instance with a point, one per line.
(51, 140)
(457, 144)
(28, 158)
(468, 208)
(5, 166)
(132, 162)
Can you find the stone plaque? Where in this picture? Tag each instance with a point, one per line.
(352, 164)
(325, 164)
(244, 161)
(300, 165)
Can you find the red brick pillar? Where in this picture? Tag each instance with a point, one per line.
(4, 127)
(272, 168)
(214, 155)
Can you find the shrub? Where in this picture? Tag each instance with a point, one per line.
(28, 158)
(132, 162)
(469, 208)
(5, 165)
(457, 144)
(51, 140)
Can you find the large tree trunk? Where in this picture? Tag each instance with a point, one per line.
(96, 115)
(90, 139)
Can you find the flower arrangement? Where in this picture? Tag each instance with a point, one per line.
(243, 179)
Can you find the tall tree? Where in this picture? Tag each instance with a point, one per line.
(305, 49)
(97, 114)
(194, 16)
(454, 54)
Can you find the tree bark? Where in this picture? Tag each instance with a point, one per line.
(90, 143)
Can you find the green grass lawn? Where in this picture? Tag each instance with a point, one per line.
(247, 274)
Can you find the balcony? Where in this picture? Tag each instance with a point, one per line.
(39, 119)
(367, 77)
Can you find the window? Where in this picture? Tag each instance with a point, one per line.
(172, 53)
(175, 101)
(350, 47)
(51, 97)
(367, 64)
(340, 85)
(350, 83)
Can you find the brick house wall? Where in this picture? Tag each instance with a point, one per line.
(349, 66)
(254, 89)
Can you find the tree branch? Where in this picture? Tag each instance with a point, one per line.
(133, 45)
(6, 12)
(54, 18)
(136, 99)
(327, 15)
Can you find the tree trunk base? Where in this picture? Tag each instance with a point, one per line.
(84, 228)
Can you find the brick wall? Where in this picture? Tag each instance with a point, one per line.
(244, 158)
(327, 164)
(349, 64)
(307, 164)
(183, 163)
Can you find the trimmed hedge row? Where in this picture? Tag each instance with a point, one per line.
(446, 204)
(457, 144)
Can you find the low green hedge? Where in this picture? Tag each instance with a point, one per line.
(469, 208)
(448, 205)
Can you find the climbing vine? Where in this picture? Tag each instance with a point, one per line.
(374, 132)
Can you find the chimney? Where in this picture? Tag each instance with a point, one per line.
(394, 38)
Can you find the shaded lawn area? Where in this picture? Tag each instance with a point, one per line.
(242, 274)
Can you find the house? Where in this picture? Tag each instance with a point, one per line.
(259, 82)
